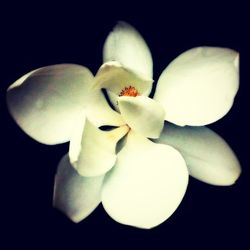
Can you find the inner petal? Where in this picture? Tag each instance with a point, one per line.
(100, 113)
(142, 114)
(118, 80)
(92, 151)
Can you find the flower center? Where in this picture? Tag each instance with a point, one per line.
(129, 91)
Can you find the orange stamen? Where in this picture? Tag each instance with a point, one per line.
(129, 91)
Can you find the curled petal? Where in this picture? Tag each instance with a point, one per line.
(209, 158)
(100, 113)
(146, 185)
(113, 77)
(46, 101)
(142, 114)
(92, 151)
(125, 45)
(199, 86)
(75, 195)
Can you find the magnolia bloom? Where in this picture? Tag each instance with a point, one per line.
(131, 152)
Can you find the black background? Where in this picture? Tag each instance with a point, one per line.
(39, 34)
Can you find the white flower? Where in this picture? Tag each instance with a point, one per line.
(142, 179)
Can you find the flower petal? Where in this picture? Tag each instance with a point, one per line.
(146, 185)
(125, 45)
(100, 113)
(75, 195)
(46, 101)
(208, 156)
(113, 77)
(142, 114)
(199, 86)
(91, 150)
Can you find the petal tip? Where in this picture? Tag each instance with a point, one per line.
(237, 60)
(123, 25)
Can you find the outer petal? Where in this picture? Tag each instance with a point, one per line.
(92, 151)
(146, 185)
(46, 101)
(75, 195)
(208, 156)
(199, 86)
(144, 115)
(125, 45)
(115, 78)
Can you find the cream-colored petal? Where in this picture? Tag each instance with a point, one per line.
(92, 151)
(125, 45)
(113, 77)
(75, 195)
(142, 114)
(46, 101)
(209, 158)
(146, 185)
(199, 86)
(100, 113)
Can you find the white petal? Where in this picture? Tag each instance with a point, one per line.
(100, 113)
(46, 101)
(146, 185)
(208, 156)
(199, 86)
(113, 77)
(142, 114)
(75, 195)
(125, 45)
(92, 151)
